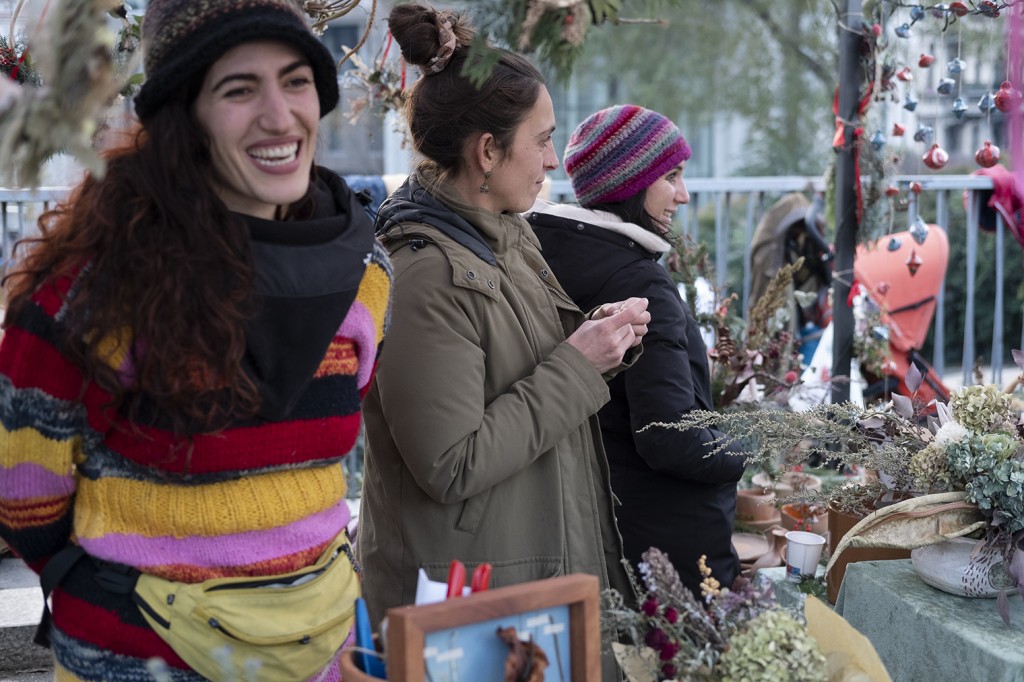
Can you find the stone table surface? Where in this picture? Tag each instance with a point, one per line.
(924, 634)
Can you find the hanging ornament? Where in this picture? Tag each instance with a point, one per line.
(892, 190)
(895, 244)
(903, 31)
(909, 103)
(926, 60)
(914, 262)
(959, 9)
(919, 230)
(916, 13)
(959, 108)
(888, 71)
(882, 287)
(936, 157)
(916, 187)
(1007, 97)
(988, 8)
(988, 155)
(898, 130)
(905, 74)
(878, 140)
(955, 66)
(987, 103)
(939, 11)
(946, 86)
(924, 134)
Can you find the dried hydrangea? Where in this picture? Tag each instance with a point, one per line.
(999, 493)
(980, 453)
(950, 432)
(980, 408)
(774, 647)
(930, 467)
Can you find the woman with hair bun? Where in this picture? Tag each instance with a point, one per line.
(482, 440)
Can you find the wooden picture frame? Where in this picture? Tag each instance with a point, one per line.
(410, 628)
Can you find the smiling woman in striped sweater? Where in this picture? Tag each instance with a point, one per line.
(188, 341)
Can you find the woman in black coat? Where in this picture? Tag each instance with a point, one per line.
(626, 165)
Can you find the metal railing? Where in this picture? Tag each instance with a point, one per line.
(733, 204)
(19, 211)
(737, 204)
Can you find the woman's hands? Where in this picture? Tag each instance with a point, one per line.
(611, 330)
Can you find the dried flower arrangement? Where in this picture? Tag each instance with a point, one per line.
(752, 359)
(881, 439)
(970, 476)
(961, 468)
(756, 362)
(382, 83)
(762, 356)
(738, 634)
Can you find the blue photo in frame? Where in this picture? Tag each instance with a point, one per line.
(457, 640)
(475, 652)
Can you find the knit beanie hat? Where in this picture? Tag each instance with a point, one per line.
(619, 152)
(181, 39)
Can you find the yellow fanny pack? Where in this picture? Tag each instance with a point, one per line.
(281, 627)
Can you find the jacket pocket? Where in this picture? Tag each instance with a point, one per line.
(511, 572)
(473, 512)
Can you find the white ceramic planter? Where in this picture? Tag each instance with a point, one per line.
(949, 566)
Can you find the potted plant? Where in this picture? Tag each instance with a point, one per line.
(806, 516)
(755, 507)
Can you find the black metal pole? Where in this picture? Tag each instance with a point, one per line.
(850, 23)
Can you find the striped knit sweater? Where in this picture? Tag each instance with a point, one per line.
(258, 498)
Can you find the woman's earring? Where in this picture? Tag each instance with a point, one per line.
(484, 189)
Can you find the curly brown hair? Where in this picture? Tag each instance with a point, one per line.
(156, 253)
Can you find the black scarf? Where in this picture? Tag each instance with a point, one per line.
(307, 275)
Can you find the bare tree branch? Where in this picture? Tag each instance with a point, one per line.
(820, 72)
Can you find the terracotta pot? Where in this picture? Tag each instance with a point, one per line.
(791, 482)
(795, 516)
(949, 566)
(350, 672)
(839, 523)
(754, 505)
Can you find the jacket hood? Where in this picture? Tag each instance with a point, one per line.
(605, 220)
(412, 203)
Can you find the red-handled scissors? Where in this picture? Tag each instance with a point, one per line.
(481, 578)
(456, 578)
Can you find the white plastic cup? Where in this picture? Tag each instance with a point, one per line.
(802, 553)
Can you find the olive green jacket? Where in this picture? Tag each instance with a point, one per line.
(482, 439)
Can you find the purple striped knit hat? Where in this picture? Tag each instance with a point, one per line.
(619, 152)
